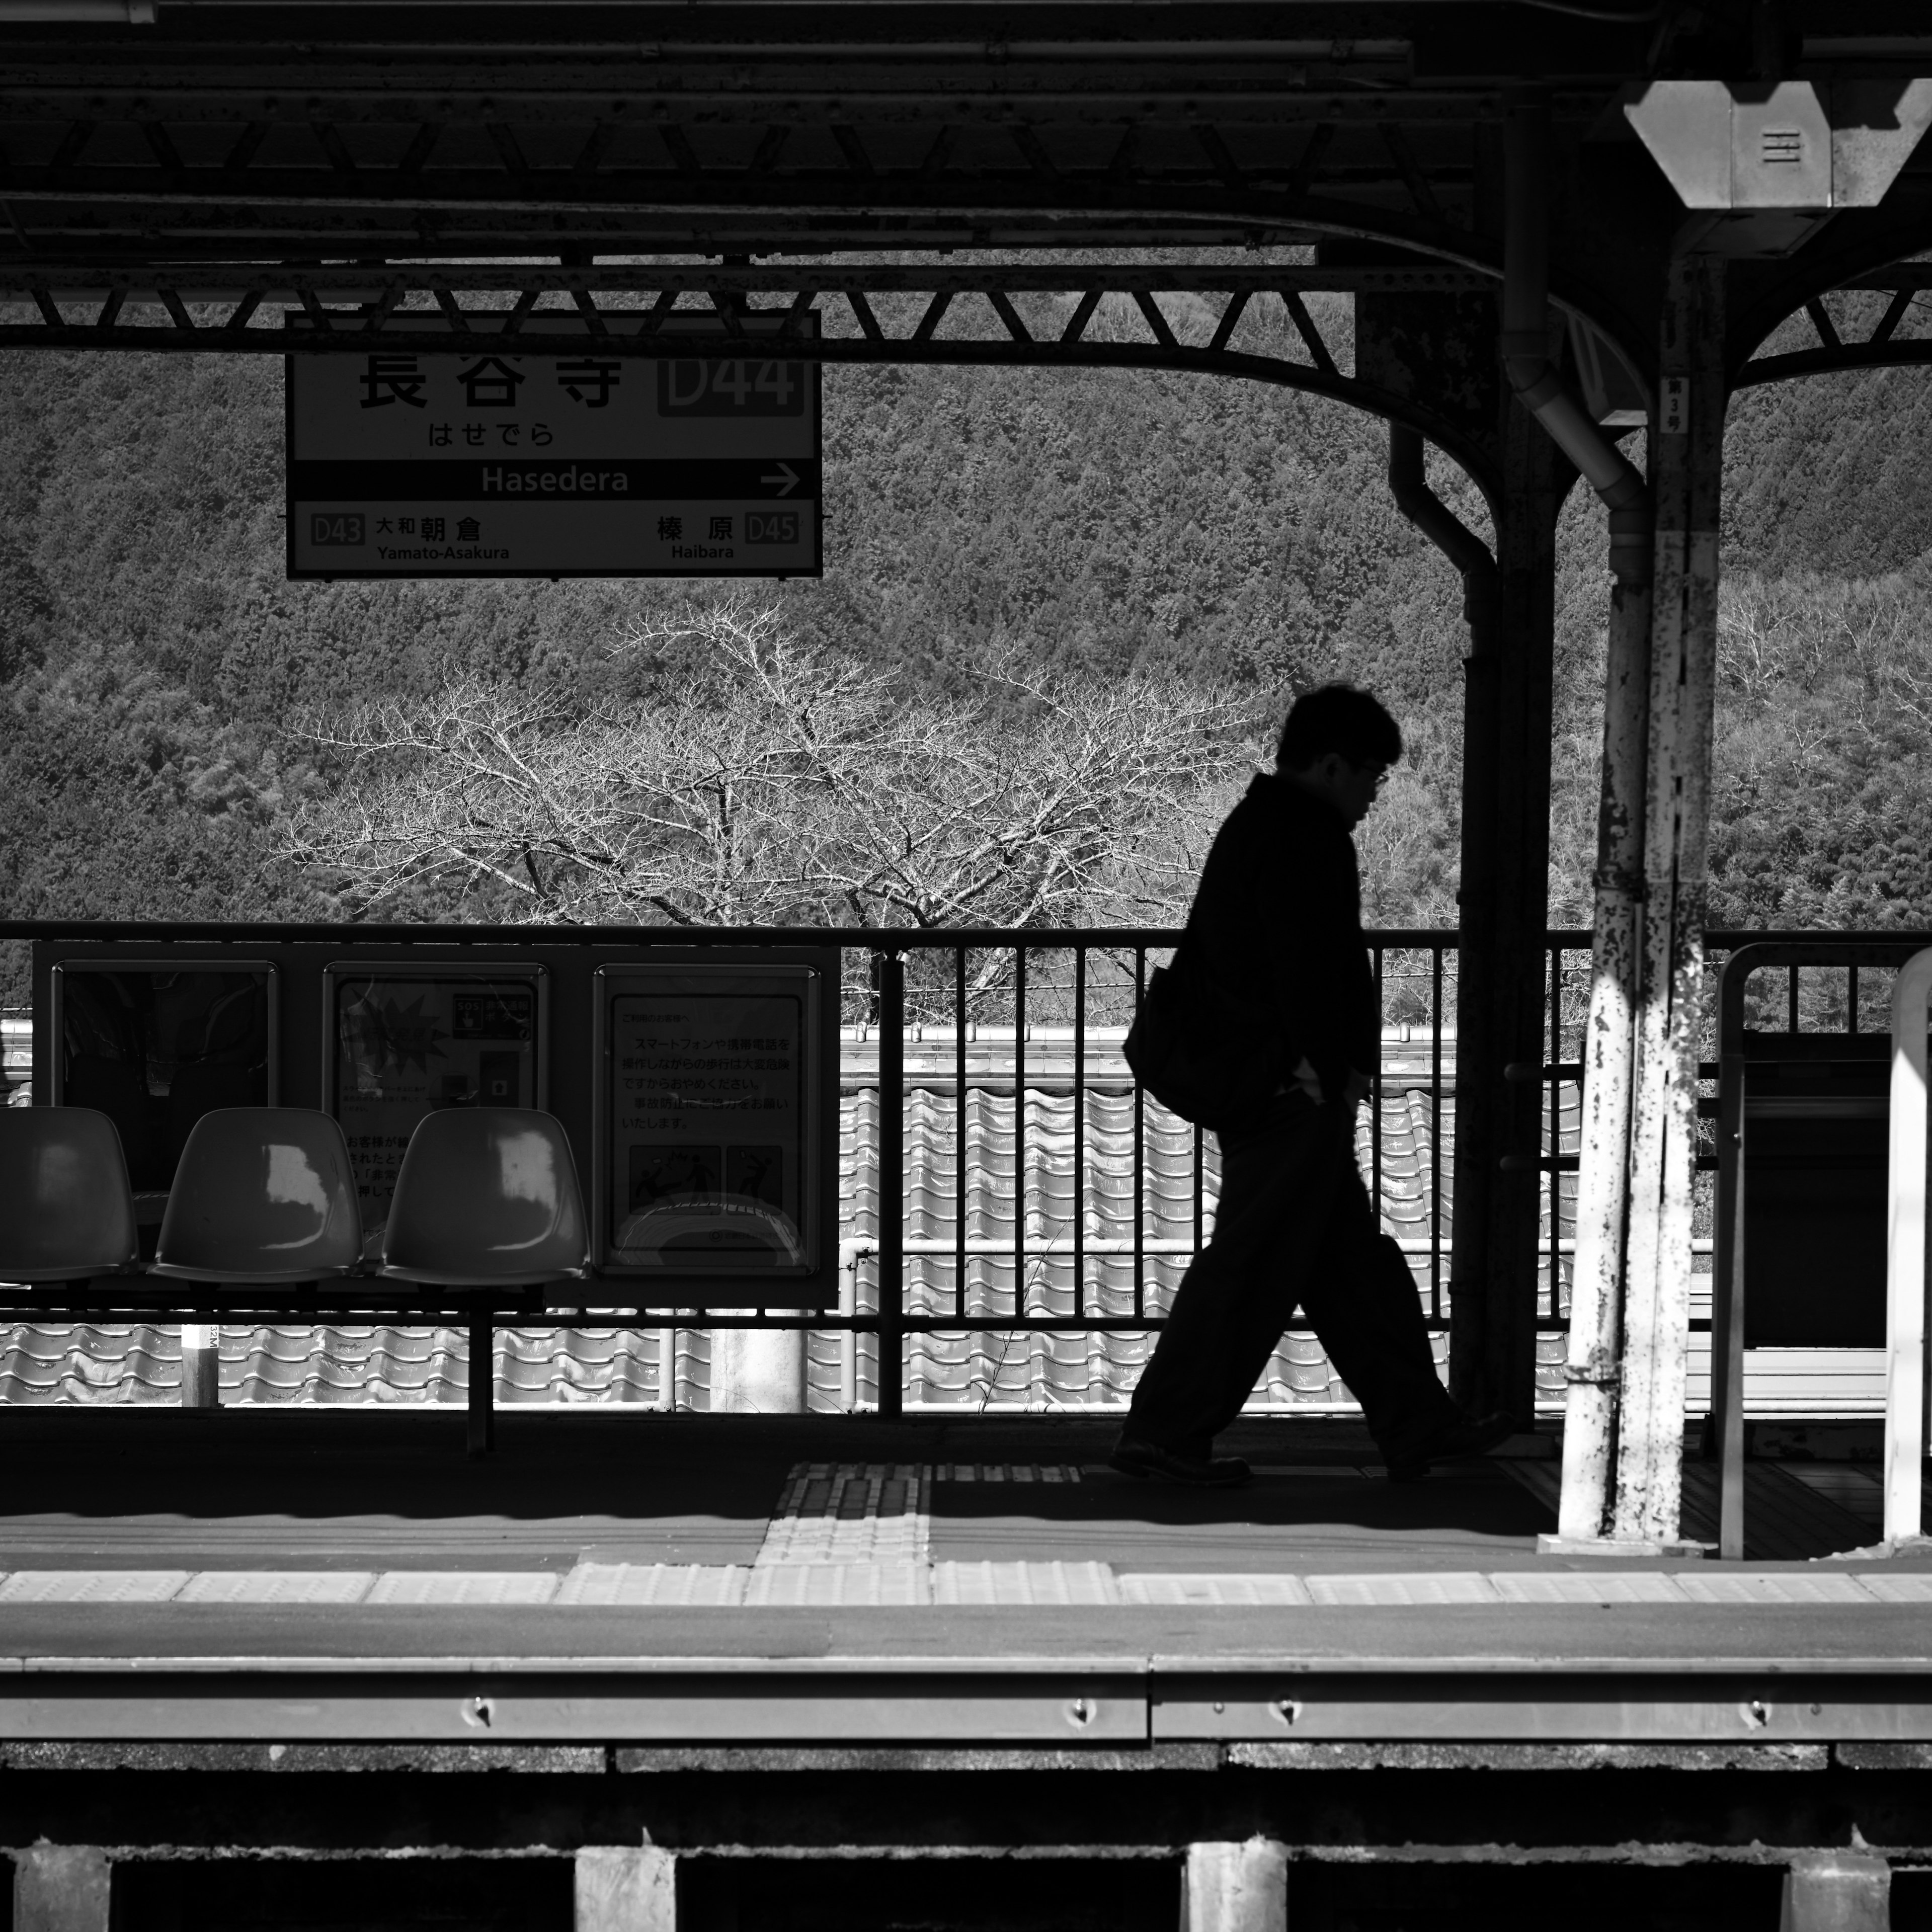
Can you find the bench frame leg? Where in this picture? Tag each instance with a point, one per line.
(482, 1421)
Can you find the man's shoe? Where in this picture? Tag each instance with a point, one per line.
(1466, 1436)
(1152, 1463)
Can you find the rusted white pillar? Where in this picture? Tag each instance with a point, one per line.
(626, 1888)
(1687, 472)
(61, 1888)
(1609, 1044)
(1837, 1891)
(1235, 1888)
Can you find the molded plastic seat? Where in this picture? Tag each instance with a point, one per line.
(487, 1197)
(263, 1195)
(67, 1214)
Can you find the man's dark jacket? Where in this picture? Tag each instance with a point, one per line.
(1276, 925)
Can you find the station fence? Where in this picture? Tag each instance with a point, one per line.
(1047, 1206)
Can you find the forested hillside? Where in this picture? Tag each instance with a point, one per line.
(157, 671)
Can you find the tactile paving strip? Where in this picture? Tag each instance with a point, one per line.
(278, 1586)
(837, 1586)
(646, 1585)
(1023, 1583)
(1715, 1587)
(1446, 1586)
(805, 1585)
(1217, 1592)
(445, 1589)
(1907, 1587)
(849, 1512)
(1005, 1472)
(91, 1586)
(1570, 1586)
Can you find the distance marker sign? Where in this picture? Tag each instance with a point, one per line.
(704, 463)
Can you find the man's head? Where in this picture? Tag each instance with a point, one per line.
(1337, 743)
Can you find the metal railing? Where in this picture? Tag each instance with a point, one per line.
(1024, 1016)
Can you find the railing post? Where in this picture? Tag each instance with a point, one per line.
(1727, 1282)
(891, 981)
(480, 1425)
(1905, 1254)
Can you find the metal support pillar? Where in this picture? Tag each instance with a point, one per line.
(1837, 1891)
(1688, 470)
(61, 1888)
(1235, 1888)
(1500, 957)
(626, 1888)
(1476, 897)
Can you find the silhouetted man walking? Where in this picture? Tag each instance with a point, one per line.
(1275, 933)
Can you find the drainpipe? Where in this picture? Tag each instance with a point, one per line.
(1476, 892)
(1592, 1371)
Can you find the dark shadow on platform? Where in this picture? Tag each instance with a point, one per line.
(1469, 1515)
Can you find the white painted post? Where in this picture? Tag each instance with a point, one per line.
(1837, 1891)
(61, 1888)
(1235, 1888)
(848, 1338)
(667, 1369)
(626, 1888)
(1905, 1253)
(201, 1365)
(757, 1371)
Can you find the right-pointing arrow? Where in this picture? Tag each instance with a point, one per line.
(784, 476)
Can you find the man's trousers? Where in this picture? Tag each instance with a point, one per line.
(1294, 1229)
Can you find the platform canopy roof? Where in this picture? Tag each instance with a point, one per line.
(191, 147)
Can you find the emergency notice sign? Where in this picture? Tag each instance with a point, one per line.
(716, 1133)
(700, 460)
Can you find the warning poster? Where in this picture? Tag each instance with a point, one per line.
(405, 1045)
(707, 1116)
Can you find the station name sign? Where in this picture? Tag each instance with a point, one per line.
(700, 458)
